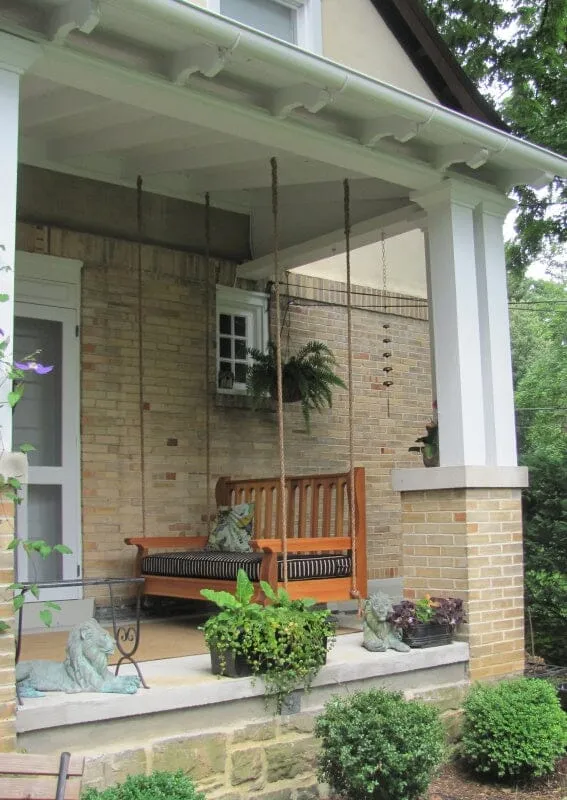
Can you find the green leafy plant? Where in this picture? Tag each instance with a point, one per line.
(285, 642)
(375, 745)
(157, 786)
(546, 606)
(307, 377)
(514, 729)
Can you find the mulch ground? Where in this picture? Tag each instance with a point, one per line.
(455, 783)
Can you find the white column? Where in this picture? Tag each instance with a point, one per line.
(495, 332)
(456, 330)
(16, 56)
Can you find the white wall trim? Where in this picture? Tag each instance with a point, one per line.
(48, 280)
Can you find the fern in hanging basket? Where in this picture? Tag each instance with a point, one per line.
(308, 377)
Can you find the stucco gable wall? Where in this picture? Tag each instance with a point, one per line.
(355, 34)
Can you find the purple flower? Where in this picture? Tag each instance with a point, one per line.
(32, 366)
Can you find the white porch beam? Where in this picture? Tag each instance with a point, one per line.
(55, 106)
(192, 158)
(158, 96)
(496, 356)
(256, 175)
(362, 233)
(16, 56)
(456, 334)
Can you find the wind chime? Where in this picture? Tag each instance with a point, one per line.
(387, 369)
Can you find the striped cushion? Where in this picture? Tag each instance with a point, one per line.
(225, 566)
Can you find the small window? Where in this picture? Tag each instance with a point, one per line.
(242, 323)
(269, 16)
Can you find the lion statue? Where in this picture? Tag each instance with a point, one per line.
(379, 634)
(84, 669)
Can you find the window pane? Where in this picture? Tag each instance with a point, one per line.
(225, 347)
(265, 15)
(44, 522)
(224, 324)
(37, 417)
(240, 373)
(240, 326)
(240, 348)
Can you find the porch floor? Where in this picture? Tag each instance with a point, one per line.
(186, 687)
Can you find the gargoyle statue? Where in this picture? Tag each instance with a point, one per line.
(379, 634)
(84, 669)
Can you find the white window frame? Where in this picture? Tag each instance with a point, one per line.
(308, 24)
(254, 305)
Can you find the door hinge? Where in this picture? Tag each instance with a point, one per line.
(78, 570)
(77, 331)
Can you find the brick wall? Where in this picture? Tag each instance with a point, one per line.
(468, 543)
(7, 641)
(243, 442)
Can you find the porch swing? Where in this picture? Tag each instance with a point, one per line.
(309, 531)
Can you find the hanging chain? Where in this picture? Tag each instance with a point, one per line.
(208, 300)
(387, 355)
(139, 221)
(354, 585)
(279, 375)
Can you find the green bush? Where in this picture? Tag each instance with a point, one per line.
(546, 607)
(157, 786)
(514, 729)
(378, 746)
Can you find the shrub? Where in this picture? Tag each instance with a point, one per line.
(546, 606)
(378, 746)
(157, 786)
(514, 729)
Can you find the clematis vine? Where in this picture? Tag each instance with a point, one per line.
(32, 366)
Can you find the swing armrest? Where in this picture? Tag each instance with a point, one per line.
(146, 543)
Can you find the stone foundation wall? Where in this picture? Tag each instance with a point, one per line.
(274, 759)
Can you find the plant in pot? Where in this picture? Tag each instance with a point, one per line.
(428, 445)
(428, 622)
(284, 642)
(308, 377)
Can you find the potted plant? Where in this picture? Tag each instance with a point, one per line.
(428, 622)
(308, 377)
(429, 444)
(284, 642)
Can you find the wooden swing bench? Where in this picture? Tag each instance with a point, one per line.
(319, 543)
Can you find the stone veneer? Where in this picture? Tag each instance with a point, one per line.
(243, 442)
(468, 543)
(273, 759)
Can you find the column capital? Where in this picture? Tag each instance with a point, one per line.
(464, 193)
(16, 54)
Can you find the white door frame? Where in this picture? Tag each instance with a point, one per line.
(49, 288)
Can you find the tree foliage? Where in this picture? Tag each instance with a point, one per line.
(516, 51)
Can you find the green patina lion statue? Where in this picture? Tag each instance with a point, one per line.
(379, 634)
(85, 668)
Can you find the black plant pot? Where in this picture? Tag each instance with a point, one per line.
(562, 692)
(229, 664)
(428, 634)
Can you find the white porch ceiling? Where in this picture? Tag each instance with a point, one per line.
(196, 103)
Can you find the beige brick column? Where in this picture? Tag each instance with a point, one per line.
(7, 639)
(467, 542)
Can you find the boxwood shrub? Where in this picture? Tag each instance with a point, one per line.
(514, 729)
(157, 786)
(378, 746)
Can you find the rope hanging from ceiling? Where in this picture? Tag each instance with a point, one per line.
(208, 303)
(139, 226)
(282, 508)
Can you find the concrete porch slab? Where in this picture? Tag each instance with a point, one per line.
(186, 687)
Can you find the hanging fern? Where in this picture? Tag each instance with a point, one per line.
(308, 377)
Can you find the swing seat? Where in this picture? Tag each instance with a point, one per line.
(319, 543)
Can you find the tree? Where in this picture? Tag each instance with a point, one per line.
(516, 50)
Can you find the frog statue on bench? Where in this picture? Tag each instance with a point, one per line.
(84, 669)
(379, 634)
